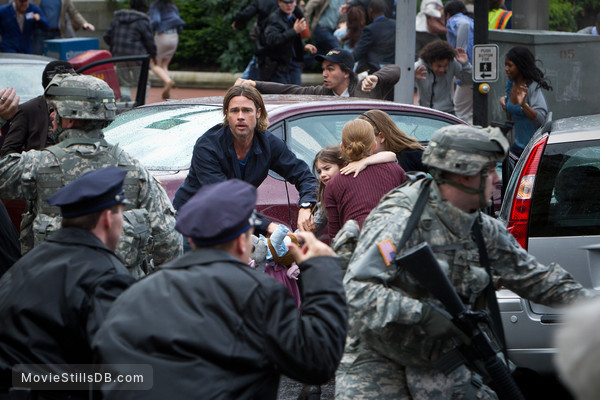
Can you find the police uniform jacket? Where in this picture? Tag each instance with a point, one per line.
(218, 329)
(387, 76)
(53, 300)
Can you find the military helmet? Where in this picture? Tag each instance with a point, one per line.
(465, 150)
(81, 97)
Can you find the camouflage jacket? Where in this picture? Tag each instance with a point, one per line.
(385, 303)
(35, 175)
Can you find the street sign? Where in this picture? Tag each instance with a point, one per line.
(485, 63)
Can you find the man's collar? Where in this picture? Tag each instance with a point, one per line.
(345, 93)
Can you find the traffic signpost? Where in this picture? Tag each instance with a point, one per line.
(485, 63)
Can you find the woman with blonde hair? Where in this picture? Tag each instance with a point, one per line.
(389, 137)
(348, 197)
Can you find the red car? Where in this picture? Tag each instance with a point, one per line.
(162, 136)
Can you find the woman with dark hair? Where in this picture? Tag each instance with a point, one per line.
(167, 25)
(356, 21)
(524, 101)
(389, 137)
(348, 197)
(438, 65)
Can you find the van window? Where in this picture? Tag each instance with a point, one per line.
(566, 197)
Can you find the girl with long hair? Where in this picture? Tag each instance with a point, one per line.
(524, 101)
(389, 137)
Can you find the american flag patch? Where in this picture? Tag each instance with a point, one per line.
(388, 251)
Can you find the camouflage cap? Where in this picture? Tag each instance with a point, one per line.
(81, 97)
(465, 150)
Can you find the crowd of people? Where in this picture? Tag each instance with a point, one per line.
(107, 272)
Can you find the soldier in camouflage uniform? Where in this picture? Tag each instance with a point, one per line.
(83, 106)
(397, 338)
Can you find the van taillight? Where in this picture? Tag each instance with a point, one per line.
(518, 221)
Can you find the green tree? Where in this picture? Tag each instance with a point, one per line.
(208, 40)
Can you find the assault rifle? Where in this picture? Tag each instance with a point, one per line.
(423, 265)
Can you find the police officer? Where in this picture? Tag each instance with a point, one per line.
(53, 300)
(400, 345)
(83, 106)
(217, 328)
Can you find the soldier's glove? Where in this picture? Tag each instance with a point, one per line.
(437, 323)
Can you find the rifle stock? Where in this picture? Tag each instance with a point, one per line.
(422, 264)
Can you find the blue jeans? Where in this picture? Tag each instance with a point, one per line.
(251, 71)
(293, 76)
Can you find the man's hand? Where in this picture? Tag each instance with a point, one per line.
(300, 25)
(369, 83)
(461, 55)
(241, 81)
(311, 247)
(305, 220)
(89, 26)
(9, 103)
(421, 72)
(310, 48)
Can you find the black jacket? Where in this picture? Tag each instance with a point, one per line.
(261, 8)
(53, 300)
(9, 241)
(280, 40)
(28, 128)
(214, 160)
(216, 329)
(377, 45)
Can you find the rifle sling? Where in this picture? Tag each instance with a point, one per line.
(490, 292)
(413, 220)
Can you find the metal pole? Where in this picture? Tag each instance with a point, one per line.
(480, 101)
(406, 13)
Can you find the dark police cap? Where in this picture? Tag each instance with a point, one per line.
(218, 213)
(91, 192)
(338, 56)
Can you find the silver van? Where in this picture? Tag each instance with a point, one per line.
(552, 207)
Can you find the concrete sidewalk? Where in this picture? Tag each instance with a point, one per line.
(217, 80)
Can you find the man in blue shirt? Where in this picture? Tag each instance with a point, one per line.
(17, 21)
(242, 147)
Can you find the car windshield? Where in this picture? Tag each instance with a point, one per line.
(162, 138)
(26, 78)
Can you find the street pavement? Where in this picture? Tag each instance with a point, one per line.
(154, 95)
